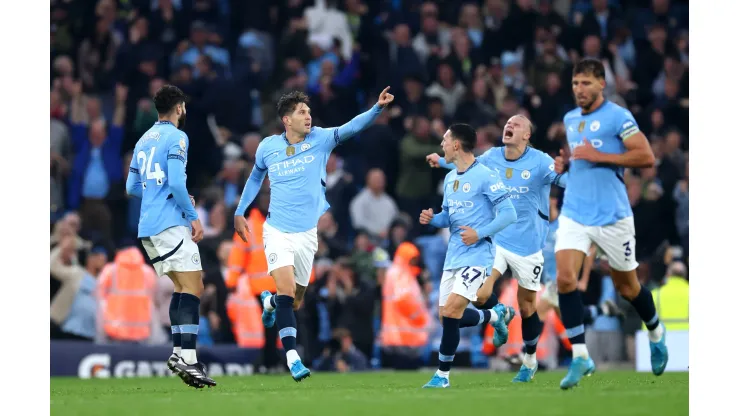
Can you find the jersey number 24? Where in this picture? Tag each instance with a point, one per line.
(145, 166)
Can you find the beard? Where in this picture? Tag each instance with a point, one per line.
(181, 121)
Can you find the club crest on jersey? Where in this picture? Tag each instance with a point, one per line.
(595, 125)
(182, 144)
(290, 150)
(305, 146)
(466, 187)
(509, 173)
(525, 174)
(581, 126)
(455, 185)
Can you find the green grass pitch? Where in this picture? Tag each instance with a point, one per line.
(382, 393)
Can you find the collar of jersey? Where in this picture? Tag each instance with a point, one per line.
(285, 137)
(597, 108)
(503, 153)
(164, 122)
(475, 162)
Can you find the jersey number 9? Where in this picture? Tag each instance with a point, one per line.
(145, 166)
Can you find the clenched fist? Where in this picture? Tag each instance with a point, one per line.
(426, 216)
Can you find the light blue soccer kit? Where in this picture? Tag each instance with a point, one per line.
(527, 180)
(475, 198)
(297, 176)
(157, 176)
(595, 205)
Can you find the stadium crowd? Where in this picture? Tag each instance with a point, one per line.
(477, 62)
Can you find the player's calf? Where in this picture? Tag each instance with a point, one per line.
(531, 329)
(285, 319)
(569, 261)
(641, 299)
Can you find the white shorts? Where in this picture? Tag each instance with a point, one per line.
(550, 294)
(173, 250)
(616, 240)
(526, 270)
(291, 249)
(464, 281)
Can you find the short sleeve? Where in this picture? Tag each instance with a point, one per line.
(627, 126)
(178, 148)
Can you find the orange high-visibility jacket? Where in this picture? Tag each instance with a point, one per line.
(249, 258)
(125, 293)
(245, 314)
(406, 318)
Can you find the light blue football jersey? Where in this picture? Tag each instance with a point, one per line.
(470, 199)
(596, 194)
(528, 180)
(159, 209)
(297, 173)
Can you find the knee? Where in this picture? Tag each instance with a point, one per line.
(527, 308)
(285, 287)
(480, 302)
(452, 311)
(628, 289)
(567, 280)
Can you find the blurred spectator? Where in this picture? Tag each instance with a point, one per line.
(681, 197)
(672, 298)
(372, 209)
(341, 355)
(73, 308)
(414, 187)
(351, 303)
(97, 165)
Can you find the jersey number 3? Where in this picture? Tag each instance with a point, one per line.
(145, 166)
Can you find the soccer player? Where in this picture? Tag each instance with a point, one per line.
(296, 164)
(476, 206)
(603, 139)
(528, 174)
(169, 227)
(549, 299)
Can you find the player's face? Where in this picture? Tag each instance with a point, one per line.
(516, 131)
(300, 120)
(181, 115)
(448, 146)
(586, 89)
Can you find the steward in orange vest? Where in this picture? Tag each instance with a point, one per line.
(125, 294)
(405, 317)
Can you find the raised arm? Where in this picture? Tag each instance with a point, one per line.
(364, 120)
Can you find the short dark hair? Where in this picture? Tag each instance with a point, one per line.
(466, 134)
(167, 98)
(590, 66)
(286, 104)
